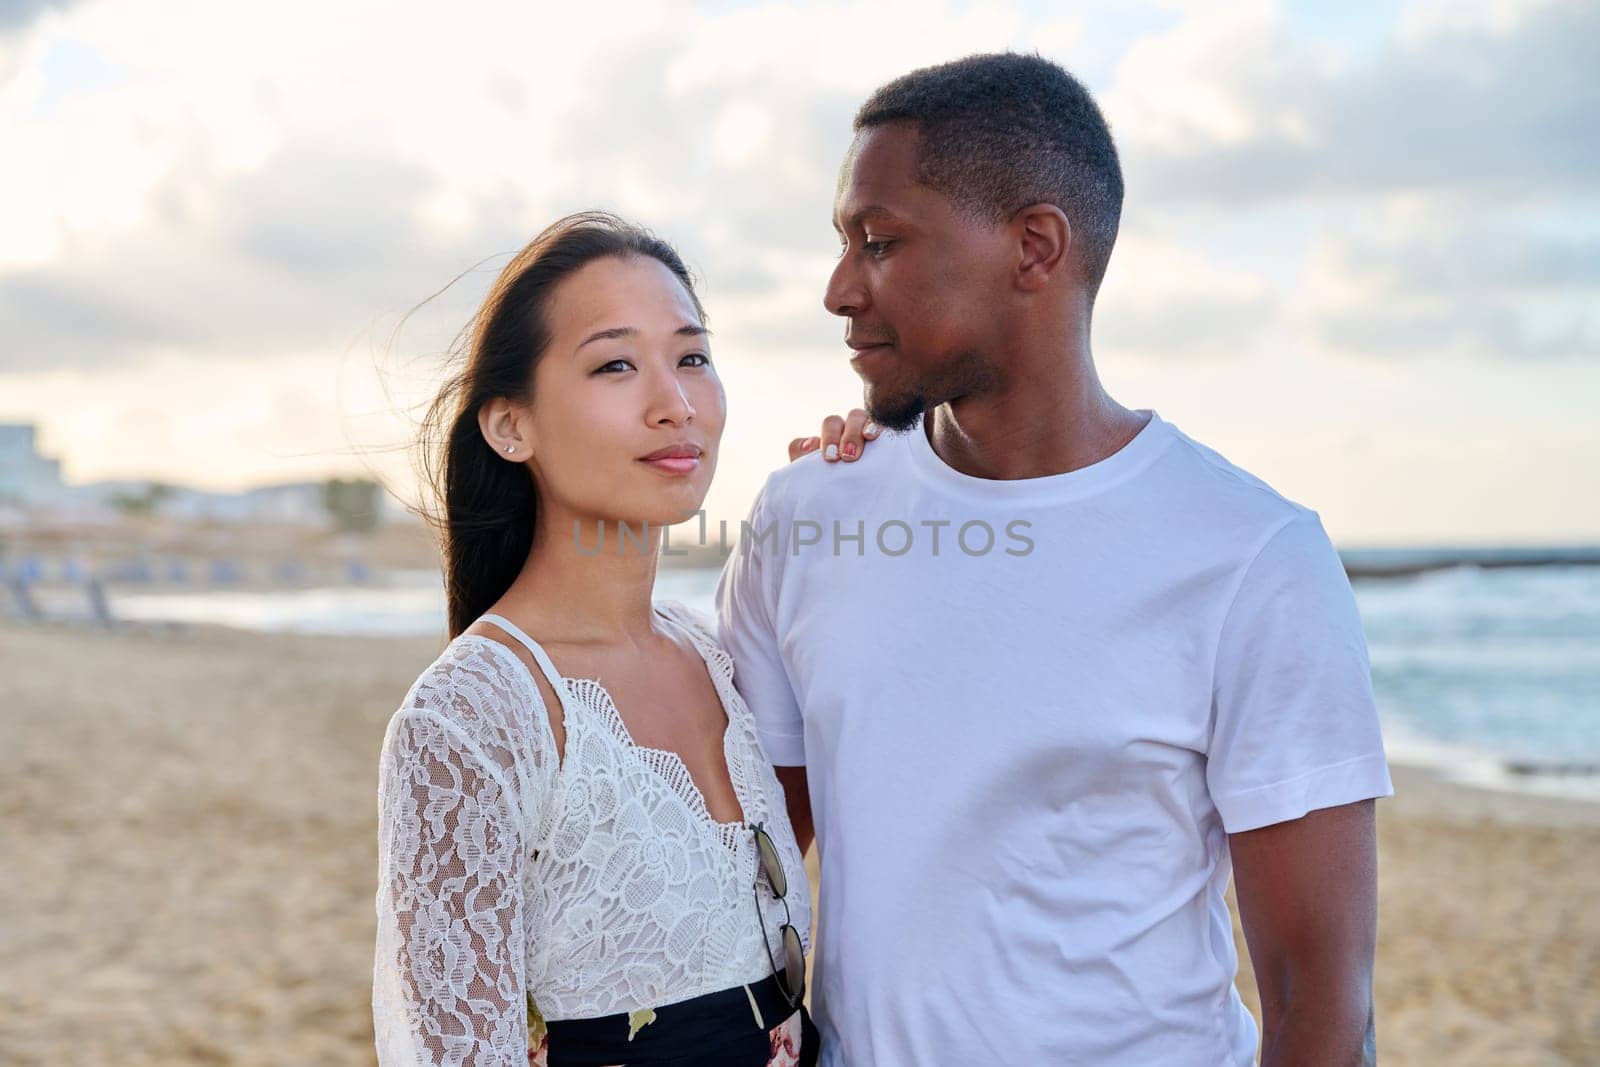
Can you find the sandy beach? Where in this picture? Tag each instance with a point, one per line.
(189, 826)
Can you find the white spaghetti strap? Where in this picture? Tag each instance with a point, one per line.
(551, 675)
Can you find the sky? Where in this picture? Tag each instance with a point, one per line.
(1360, 249)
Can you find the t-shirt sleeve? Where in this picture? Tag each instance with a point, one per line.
(1295, 726)
(746, 626)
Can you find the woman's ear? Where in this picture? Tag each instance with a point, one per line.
(1044, 237)
(503, 426)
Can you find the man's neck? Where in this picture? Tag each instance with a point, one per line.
(1037, 425)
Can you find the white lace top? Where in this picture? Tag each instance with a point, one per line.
(596, 884)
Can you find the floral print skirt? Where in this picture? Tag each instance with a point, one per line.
(746, 1026)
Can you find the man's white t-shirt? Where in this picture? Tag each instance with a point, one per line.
(1031, 712)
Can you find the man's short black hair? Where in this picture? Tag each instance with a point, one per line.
(1002, 131)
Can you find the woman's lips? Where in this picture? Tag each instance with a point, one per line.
(674, 464)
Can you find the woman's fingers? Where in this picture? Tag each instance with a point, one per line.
(832, 432)
(801, 445)
(843, 438)
(858, 430)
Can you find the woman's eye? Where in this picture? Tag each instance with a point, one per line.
(702, 359)
(613, 367)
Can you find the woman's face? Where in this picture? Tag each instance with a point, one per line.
(627, 410)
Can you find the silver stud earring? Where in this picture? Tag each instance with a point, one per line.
(511, 448)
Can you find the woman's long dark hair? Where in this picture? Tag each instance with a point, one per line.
(484, 507)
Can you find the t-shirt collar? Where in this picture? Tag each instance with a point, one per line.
(1131, 458)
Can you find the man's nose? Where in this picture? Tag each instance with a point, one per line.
(845, 295)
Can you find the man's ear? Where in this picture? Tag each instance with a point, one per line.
(1044, 237)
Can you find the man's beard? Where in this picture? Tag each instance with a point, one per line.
(971, 374)
(898, 414)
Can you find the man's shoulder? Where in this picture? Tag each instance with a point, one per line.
(811, 483)
(1208, 485)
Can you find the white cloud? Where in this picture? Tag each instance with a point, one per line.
(1446, 279)
(1177, 90)
(314, 165)
(1450, 170)
(205, 205)
(1230, 108)
(1164, 297)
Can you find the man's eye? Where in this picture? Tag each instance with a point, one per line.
(872, 248)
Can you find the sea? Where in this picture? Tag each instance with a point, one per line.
(1486, 670)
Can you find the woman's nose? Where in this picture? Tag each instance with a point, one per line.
(672, 404)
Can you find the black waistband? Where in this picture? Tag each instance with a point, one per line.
(690, 1028)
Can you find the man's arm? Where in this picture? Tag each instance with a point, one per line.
(797, 797)
(1307, 892)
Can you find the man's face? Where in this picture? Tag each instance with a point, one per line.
(923, 284)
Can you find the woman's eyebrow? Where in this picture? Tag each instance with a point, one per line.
(615, 332)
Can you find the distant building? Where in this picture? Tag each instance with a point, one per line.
(303, 503)
(24, 473)
(31, 486)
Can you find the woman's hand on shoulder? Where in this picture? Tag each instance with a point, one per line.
(841, 438)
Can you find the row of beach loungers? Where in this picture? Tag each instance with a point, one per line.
(31, 570)
(21, 579)
(25, 605)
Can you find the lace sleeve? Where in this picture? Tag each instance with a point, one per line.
(448, 985)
